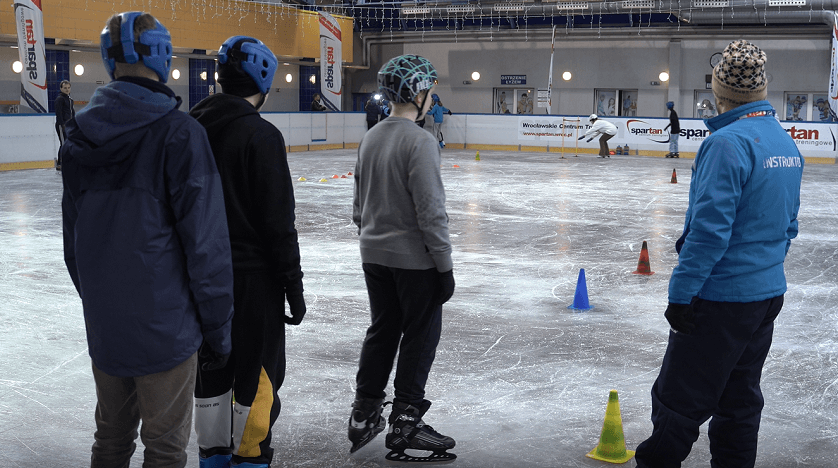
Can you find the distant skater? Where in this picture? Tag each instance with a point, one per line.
(605, 129)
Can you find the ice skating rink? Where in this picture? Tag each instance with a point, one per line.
(519, 379)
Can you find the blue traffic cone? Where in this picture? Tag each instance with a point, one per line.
(580, 299)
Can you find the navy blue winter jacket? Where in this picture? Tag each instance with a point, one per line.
(742, 214)
(145, 232)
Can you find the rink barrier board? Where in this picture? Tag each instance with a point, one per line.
(31, 138)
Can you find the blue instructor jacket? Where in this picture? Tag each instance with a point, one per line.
(742, 214)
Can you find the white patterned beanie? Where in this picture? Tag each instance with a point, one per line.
(740, 77)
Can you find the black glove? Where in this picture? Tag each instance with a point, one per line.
(583, 136)
(589, 140)
(680, 317)
(297, 306)
(446, 286)
(211, 360)
(450, 113)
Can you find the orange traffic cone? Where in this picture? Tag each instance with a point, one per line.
(643, 266)
(674, 177)
(612, 442)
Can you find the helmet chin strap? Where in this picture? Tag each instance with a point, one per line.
(419, 107)
(261, 101)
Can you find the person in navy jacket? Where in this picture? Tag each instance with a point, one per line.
(729, 284)
(147, 247)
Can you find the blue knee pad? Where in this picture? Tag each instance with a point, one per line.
(215, 461)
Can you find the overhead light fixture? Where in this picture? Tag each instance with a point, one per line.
(79, 69)
(416, 10)
(566, 76)
(288, 78)
(17, 67)
(176, 74)
(564, 6)
(460, 9)
(664, 76)
(508, 7)
(475, 76)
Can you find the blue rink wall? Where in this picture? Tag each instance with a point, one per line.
(30, 141)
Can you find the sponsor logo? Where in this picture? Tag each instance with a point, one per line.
(694, 134)
(803, 134)
(330, 67)
(644, 129)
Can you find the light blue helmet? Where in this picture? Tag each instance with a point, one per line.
(154, 46)
(255, 58)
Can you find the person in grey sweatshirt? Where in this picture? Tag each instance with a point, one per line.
(399, 208)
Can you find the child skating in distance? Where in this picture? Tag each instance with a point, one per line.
(399, 207)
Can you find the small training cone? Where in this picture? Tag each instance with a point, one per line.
(335, 176)
(580, 299)
(323, 180)
(302, 179)
(348, 173)
(343, 177)
(612, 443)
(674, 177)
(477, 156)
(455, 165)
(643, 267)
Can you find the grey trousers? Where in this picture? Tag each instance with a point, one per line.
(163, 401)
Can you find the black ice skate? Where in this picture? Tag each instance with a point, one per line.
(408, 431)
(365, 422)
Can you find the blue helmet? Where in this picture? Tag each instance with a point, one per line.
(256, 59)
(435, 97)
(154, 46)
(670, 105)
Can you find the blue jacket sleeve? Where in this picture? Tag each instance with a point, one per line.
(197, 201)
(715, 191)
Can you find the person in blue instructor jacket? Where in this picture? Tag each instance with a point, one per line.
(729, 284)
(438, 112)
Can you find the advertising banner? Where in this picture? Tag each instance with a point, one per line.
(812, 138)
(833, 76)
(330, 61)
(30, 42)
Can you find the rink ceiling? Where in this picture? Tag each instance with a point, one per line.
(519, 380)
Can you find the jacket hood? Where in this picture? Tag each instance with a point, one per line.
(217, 111)
(116, 110)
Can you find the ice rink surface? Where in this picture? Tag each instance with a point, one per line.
(519, 379)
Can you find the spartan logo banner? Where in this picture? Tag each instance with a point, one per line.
(30, 42)
(330, 61)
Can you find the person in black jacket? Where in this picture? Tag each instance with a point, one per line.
(147, 247)
(373, 112)
(258, 192)
(316, 105)
(64, 112)
(675, 131)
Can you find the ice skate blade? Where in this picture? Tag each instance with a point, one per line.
(436, 458)
(361, 443)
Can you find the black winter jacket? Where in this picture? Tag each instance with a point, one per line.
(258, 192)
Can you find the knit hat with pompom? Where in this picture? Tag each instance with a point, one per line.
(740, 77)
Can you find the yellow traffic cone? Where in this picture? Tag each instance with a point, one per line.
(477, 156)
(302, 179)
(612, 443)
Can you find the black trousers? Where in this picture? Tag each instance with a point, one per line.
(713, 372)
(405, 319)
(254, 373)
(62, 137)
